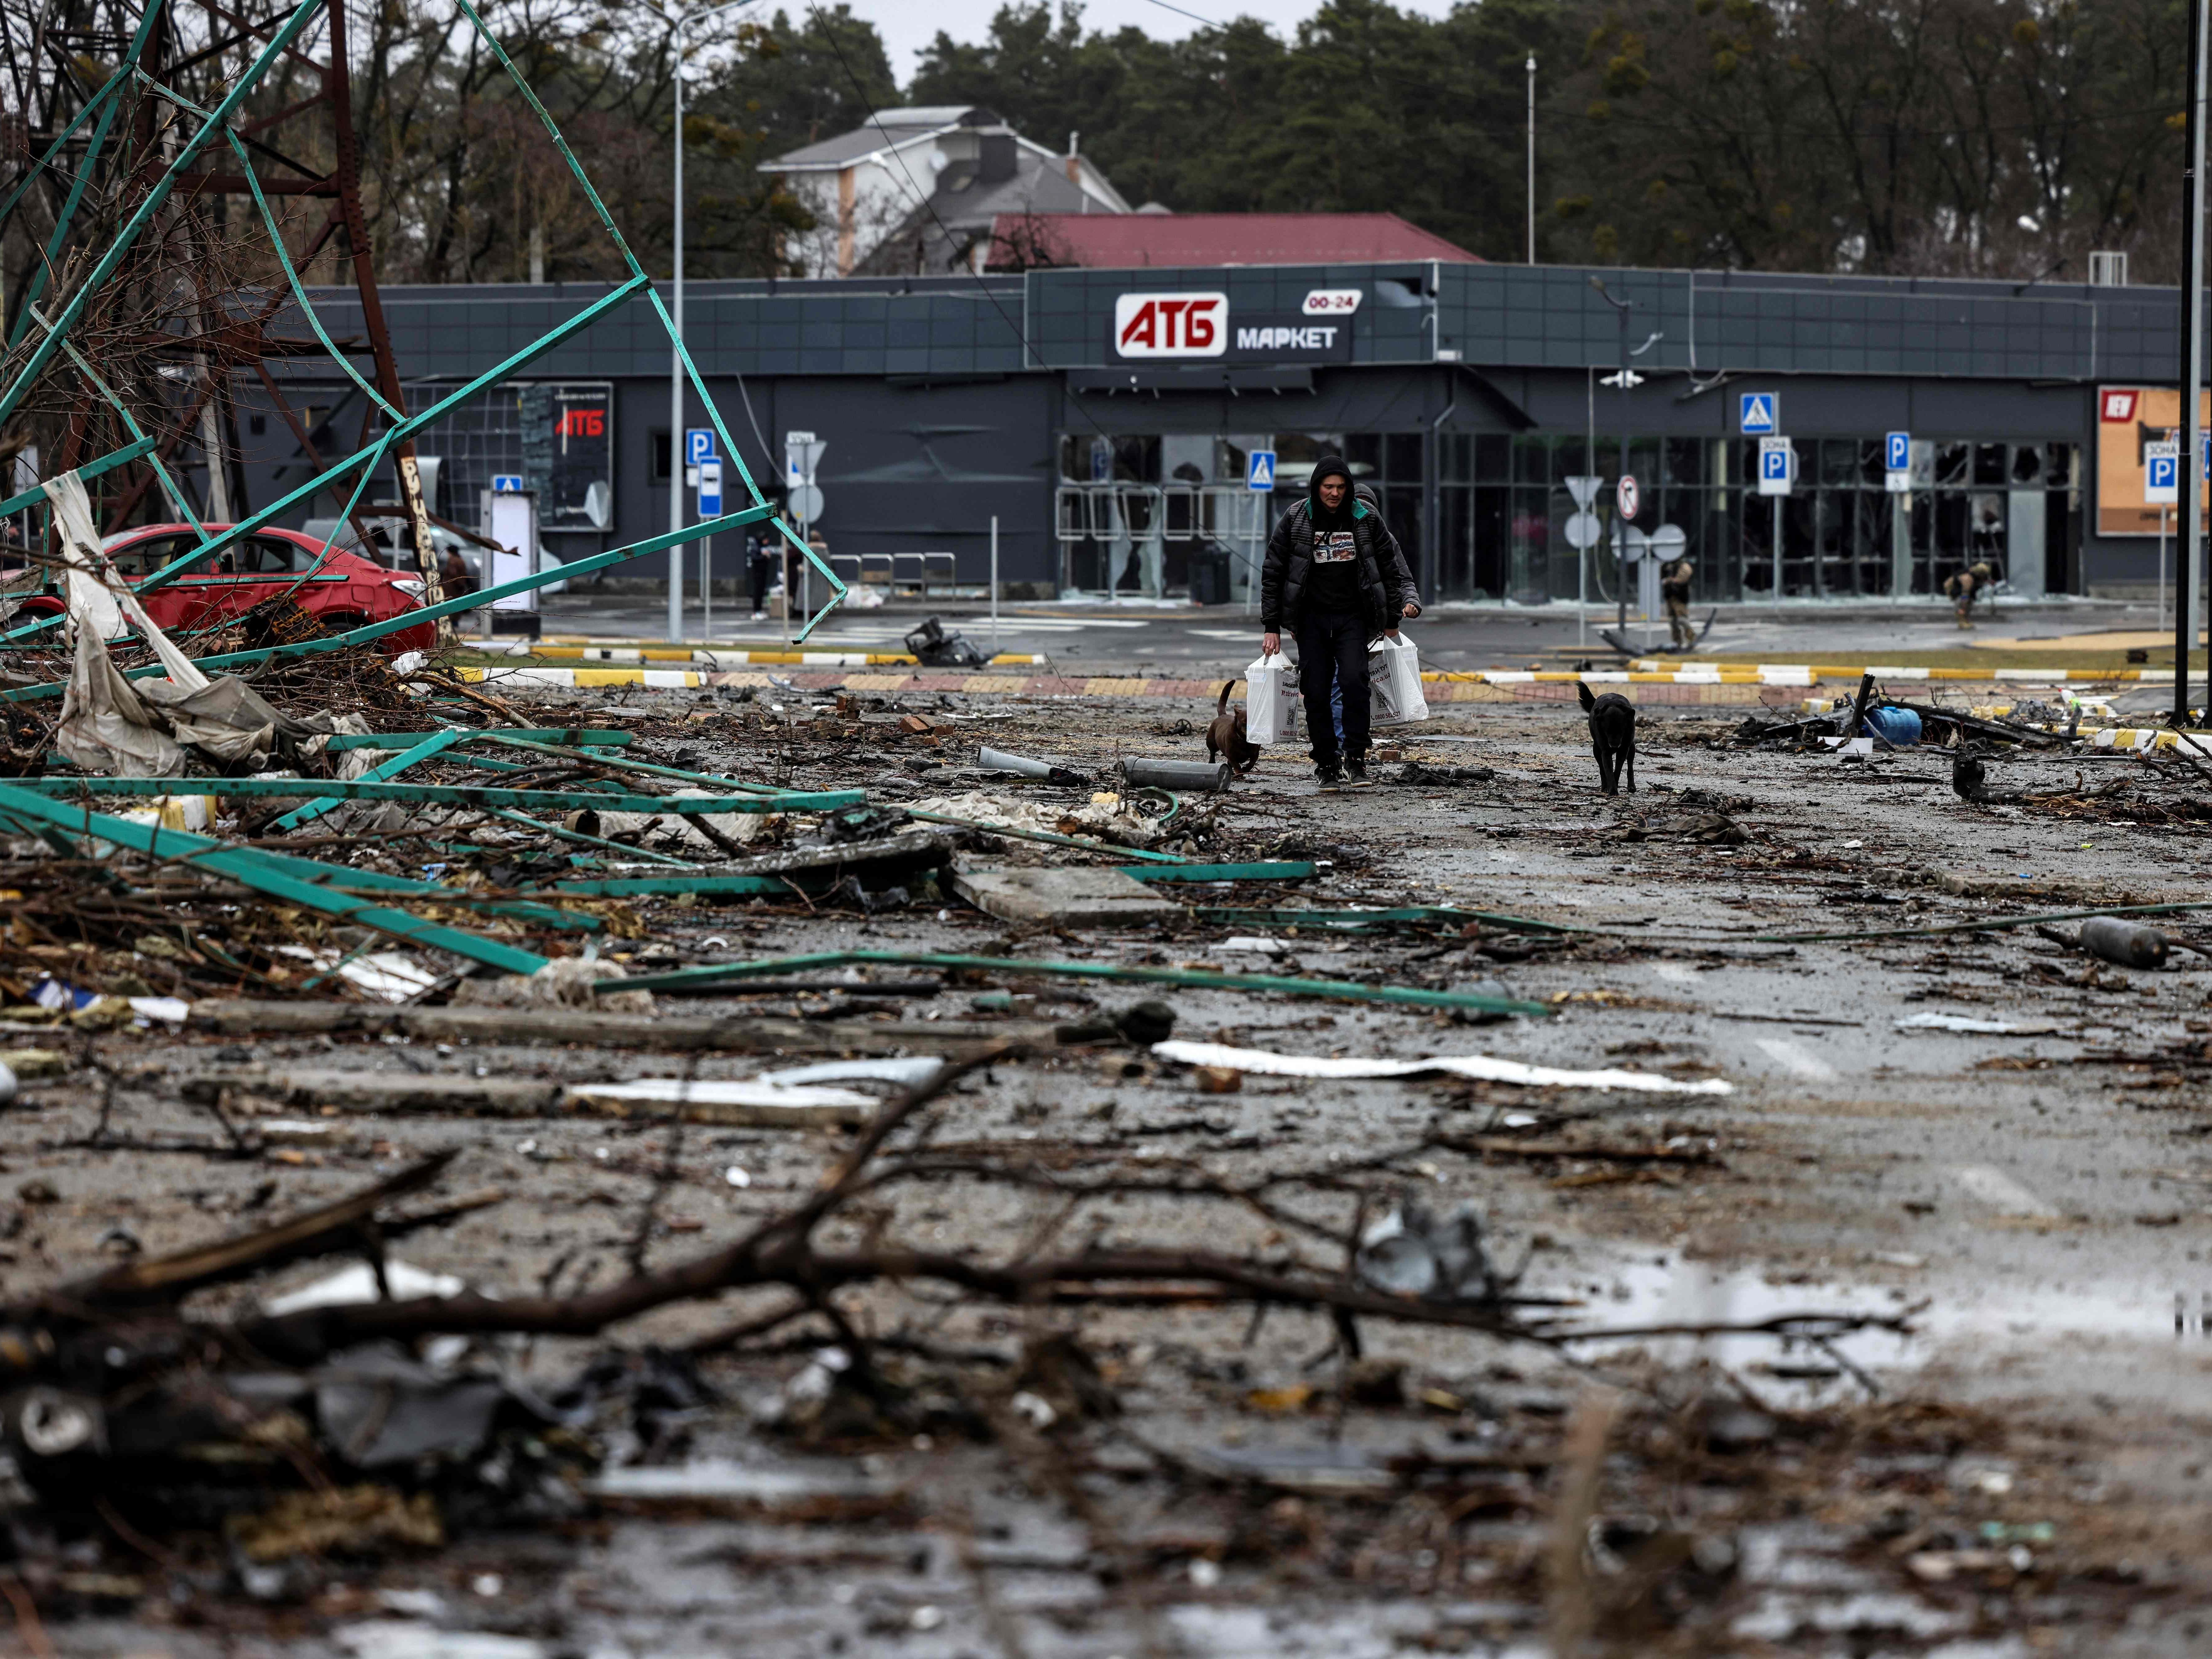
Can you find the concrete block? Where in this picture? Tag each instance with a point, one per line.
(1073, 897)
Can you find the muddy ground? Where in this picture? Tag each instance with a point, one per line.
(2009, 1461)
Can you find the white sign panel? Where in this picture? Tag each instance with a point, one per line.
(1171, 324)
(2162, 474)
(1778, 465)
(1331, 302)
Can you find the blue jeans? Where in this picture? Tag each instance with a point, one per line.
(1332, 658)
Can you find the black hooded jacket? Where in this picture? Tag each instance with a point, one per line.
(1385, 581)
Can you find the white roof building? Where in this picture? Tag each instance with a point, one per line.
(916, 191)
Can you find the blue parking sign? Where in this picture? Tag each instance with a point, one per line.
(1897, 453)
(698, 445)
(1759, 413)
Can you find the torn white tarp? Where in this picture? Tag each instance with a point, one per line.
(105, 727)
(137, 729)
(1483, 1067)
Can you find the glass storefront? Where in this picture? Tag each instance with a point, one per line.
(1169, 514)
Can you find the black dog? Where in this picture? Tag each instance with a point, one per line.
(1613, 736)
(1226, 736)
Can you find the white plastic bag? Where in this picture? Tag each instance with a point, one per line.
(1393, 681)
(1271, 701)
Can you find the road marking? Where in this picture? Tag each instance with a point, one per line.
(2002, 1193)
(1675, 973)
(1796, 1059)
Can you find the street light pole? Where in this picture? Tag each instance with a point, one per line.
(2189, 544)
(676, 515)
(1532, 158)
(1620, 310)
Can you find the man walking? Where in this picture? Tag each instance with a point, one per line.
(1674, 580)
(1331, 572)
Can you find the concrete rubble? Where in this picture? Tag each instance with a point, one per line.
(1251, 1223)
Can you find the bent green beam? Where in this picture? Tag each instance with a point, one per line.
(421, 614)
(422, 751)
(563, 832)
(120, 244)
(36, 496)
(28, 807)
(1049, 837)
(567, 735)
(446, 794)
(370, 456)
(522, 740)
(1334, 990)
(342, 877)
(93, 106)
(108, 100)
(1277, 870)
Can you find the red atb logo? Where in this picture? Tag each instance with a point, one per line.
(1171, 324)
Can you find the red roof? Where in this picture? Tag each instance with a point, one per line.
(1117, 240)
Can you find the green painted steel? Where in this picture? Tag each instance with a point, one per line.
(125, 71)
(567, 736)
(107, 462)
(1276, 870)
(563, 832)
(1049, 837)
(1333, 990)
(1361, 922)
(280, 41)
(414, 618)
(520, 740)
(367, 459)
(25, 807)
(443, 794)
(390, 769)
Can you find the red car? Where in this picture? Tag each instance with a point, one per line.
(345, 591)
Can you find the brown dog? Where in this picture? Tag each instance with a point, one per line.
(1225, 736)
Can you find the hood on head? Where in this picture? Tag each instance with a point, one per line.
(1329, 467)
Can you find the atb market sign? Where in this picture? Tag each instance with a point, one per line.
(1199, 327)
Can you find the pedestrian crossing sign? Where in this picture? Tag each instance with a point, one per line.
(1260, 470)
(1759, 412)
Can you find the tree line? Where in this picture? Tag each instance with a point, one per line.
(1942, 137)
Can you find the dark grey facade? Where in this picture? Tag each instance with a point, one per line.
(1467, 394)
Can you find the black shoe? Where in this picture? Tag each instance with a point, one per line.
(1355, 772)
(1327, 774)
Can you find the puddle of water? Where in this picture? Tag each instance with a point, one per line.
(1663, 1288)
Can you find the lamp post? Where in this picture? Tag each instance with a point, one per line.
(1532, 158)
(1621, 308)
(676, 515)
(2189, 549)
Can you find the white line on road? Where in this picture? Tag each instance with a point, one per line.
(1800, 1061)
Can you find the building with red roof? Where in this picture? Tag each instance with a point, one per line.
(1153, 236)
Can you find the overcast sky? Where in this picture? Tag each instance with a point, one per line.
(909, 26)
